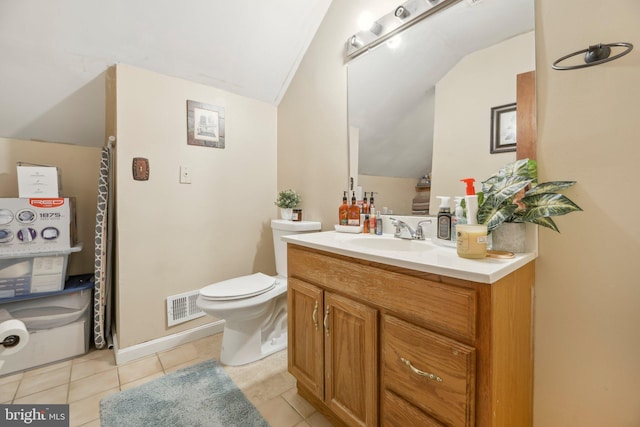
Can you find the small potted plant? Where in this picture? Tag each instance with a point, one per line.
(286, 201)
(513, 195)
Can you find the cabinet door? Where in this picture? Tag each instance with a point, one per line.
(305, 335)
(351, 361)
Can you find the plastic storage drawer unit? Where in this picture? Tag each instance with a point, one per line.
(34, 273)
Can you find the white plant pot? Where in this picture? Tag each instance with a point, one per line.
(509, 236)
(286, 213)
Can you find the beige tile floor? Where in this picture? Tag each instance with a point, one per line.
(83, 381)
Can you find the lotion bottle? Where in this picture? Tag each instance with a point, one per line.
(444, 219)
(471, 200)
(378, 224)
(472, 238)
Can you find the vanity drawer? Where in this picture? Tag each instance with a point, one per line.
(443, 307)
(432, 372)
(397, 412)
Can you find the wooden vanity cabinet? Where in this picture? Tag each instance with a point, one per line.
(372, 344)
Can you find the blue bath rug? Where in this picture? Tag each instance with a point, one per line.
(201, 395)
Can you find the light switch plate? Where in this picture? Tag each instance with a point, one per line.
(140, 169)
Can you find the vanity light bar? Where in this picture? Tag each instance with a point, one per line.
(392, 23)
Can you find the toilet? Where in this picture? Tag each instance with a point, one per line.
(254, 307)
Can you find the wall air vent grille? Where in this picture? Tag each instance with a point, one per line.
(182, 308)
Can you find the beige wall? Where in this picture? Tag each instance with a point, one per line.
(463, 124)
(79, 167)
(587, 344)
(172, 237)
(587, 296)
(312, 127)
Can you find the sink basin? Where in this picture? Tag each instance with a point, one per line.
(389, 244)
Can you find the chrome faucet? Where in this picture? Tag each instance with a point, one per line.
(404, 230)
(419, 231)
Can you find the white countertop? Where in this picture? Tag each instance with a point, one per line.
(417, 255)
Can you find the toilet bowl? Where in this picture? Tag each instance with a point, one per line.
(254, 307)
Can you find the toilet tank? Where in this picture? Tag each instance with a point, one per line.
(283, 227)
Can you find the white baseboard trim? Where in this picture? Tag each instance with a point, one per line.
(127, 354)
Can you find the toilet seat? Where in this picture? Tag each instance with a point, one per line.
(238, 287)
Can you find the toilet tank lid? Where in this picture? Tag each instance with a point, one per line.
(287, 225)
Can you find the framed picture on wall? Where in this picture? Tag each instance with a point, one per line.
(205, 125)
(503, 128)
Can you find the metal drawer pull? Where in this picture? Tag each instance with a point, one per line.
(433, 377)
(314, 316)
(326, 320)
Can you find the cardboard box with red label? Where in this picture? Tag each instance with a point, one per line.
(37, 225)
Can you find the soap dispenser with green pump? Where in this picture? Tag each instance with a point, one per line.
(444, 219)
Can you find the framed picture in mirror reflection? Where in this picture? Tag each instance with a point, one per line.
(503, 128)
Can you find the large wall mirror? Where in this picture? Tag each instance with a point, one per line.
(420, 103)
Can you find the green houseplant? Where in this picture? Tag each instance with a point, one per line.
(514, 195)
(286, 201)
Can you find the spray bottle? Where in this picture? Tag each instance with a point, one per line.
(444, 219)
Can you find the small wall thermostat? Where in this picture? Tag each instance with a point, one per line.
(140, 169)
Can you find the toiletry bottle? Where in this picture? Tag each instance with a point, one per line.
(372, 220)
(343, 211)
(472, 237)
(378, 224)
(458, 218)
(366, 224)
(371, 205)
(365, 205)
(444, 219)
(471, 200)
(354, 212)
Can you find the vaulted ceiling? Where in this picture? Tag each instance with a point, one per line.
(54, 54)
